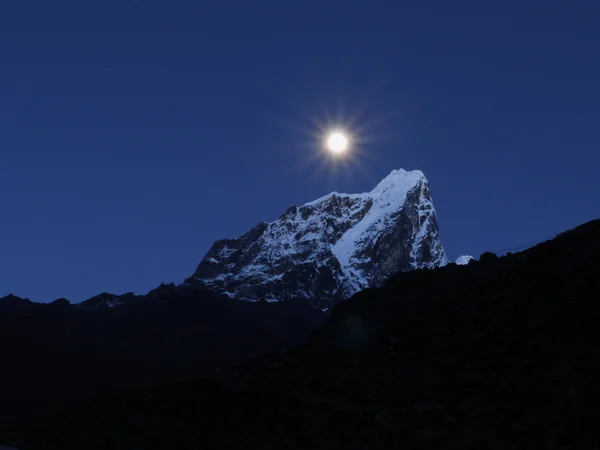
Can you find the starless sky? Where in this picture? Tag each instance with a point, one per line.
(135, 133)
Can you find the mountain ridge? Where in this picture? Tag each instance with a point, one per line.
(331, 247)
(323, 251)
(499, 353)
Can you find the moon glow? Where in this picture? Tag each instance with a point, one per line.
(337, 142)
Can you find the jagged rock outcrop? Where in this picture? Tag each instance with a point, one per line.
(330, 248)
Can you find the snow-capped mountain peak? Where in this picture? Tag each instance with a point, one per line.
(331, 247)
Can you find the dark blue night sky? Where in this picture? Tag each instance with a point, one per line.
(135, 133)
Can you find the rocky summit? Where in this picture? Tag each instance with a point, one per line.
(330, 248)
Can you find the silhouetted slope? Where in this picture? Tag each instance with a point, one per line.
(501, 353)
(54, 353)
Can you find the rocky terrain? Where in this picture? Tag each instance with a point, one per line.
(332, 247)
(500, 353)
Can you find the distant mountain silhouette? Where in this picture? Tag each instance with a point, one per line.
(497, 353)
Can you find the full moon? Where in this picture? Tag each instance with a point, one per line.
(337, 142)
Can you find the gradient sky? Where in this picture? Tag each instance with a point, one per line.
(135, 133)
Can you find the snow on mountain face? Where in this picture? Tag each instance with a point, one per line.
(330, 248)
(463, 260)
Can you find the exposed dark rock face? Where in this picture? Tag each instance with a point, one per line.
(498, 354)
(330, 248)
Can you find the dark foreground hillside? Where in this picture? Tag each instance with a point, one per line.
(500, 354)
(54, 354)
